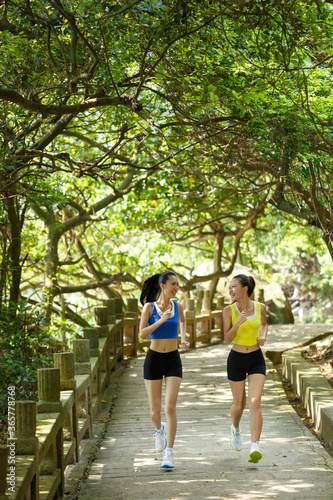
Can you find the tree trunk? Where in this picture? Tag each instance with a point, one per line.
(239, 259)
(51, 268)
(3, 271)
(14, 252)
(219, 238)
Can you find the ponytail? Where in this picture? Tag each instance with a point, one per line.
(252, 285)
(151, 288)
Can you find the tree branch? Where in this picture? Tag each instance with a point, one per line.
(278, 200)
(69, 314)
(122, 277)
(62, 109)
(91, 267)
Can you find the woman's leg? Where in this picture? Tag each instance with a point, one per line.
(154, 391)
(256, 383)
(238, 394)
(172, 385)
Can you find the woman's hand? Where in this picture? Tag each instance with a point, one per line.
(167, 314)
(242, 317)
(185, 344)
(261, 341)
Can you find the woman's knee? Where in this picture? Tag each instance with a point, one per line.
(170, 409)
(155, 412)
(254, 403)
(239, 406)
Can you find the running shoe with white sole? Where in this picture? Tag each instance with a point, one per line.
(236, 439)
(167, 462)
(255, 453)
(160, 438)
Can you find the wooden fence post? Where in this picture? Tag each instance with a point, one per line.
(198, 308)
(111, 319)
(27, 442)
(118, 307)
(101, 315)
(65, 362)
(220, 303)
(200, 295)
(218, 317)
(81, 350)
(206, 304)
(26, 416)
(191, 321)
(93, 335)
(118, 304)
(101, 320)
(206, 312)
(261, 296)
(3, 471)
(103, 363)
(132, 308)
(111, 314)
(48, 381)
(131, 328)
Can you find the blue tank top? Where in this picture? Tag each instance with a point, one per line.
(169, 329)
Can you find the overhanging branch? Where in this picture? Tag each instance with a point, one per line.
(122, 276)
(62, 109)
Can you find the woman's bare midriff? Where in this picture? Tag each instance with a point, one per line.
(164, 345)
(245, 348)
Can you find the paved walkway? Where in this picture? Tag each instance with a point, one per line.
(294, 464)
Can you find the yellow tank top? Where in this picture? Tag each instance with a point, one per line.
(249, 331)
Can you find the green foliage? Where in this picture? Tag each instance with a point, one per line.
(291, 254)
(184, 118)
(25, 346)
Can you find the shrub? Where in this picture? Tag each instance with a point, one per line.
(25, 346)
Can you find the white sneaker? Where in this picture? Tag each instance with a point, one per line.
(160, 438)
(255, 453)
(236, 439)
(167, 462)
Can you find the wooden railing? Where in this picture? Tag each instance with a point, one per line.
(48, 433)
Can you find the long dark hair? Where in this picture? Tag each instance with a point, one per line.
(151, 288)
(246, 281)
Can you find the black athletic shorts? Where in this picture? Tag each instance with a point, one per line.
(240, 364)
(162, 364)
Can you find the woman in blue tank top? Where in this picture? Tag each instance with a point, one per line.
(160, 320)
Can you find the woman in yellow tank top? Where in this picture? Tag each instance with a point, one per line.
(245, 325)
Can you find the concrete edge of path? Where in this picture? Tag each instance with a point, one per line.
(314, 390)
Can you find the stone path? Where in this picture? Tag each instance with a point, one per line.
(294, 464)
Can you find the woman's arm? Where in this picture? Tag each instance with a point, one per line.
(183, 326)
(263, 326)
(147, 311)
(229, 330)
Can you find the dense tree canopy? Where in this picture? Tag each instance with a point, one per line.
(180, 120)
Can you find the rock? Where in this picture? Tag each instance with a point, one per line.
(279, 309)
